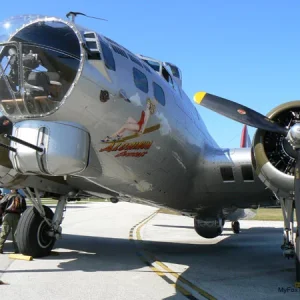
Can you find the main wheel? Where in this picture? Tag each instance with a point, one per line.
(236, 227)
(208, 229)
(33, 233)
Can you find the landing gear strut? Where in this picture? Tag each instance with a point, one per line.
(235, 226)
(290, 248)
(39, 227)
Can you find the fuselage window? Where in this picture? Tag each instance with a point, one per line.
(140, 80)
(159, 94)
(108, 56)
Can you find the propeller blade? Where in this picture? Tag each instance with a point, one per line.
(238, 112)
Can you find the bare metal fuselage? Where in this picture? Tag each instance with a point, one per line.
(173, 163)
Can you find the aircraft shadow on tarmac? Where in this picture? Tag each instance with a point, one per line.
(246, 259)
(185, 227)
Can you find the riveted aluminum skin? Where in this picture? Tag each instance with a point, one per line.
(180, 167)
(65, 144)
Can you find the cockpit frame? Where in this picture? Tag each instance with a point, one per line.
(21, 113)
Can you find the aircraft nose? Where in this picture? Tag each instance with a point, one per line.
(39, 63)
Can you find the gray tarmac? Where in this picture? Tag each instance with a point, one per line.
(106, 253)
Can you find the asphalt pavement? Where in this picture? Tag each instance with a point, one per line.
(127, 251)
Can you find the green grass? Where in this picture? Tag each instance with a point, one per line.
(168, 211)
(263, 214)
(269, 214)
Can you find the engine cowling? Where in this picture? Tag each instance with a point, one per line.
(273, 157)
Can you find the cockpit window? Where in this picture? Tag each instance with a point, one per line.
(153, 64)
(54, 35)
(175, 71)
(167, 76)
(108, 55)
(38, 66)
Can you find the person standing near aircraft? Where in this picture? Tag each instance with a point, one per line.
(12, 205)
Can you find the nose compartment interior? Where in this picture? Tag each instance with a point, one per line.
(37, 68)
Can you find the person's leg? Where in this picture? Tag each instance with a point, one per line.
(5, 231)
(15, 221)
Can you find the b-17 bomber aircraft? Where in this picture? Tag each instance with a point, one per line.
(84, 116)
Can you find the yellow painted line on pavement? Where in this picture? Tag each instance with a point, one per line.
(144, 254)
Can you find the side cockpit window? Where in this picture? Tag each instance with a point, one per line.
(92, 45)
(167, 76)
(108, 56)
(175, 71)
(140, 80)
(159, 94)
(153, 64)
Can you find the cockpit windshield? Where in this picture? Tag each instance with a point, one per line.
(153, 64)
(174, 70)
(39, 60)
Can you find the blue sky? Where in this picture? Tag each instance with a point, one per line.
(246, 51)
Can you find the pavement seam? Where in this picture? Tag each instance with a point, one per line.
(164, 270)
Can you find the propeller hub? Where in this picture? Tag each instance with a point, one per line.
(293, 136)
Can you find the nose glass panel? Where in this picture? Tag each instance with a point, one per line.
(38, 66)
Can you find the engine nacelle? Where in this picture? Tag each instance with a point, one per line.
(208, 228)
(273, 157)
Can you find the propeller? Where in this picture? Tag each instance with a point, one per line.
(252, 118)
(238, 112)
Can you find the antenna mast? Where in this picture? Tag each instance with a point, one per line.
(73, 15)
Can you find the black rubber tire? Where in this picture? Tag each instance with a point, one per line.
(206, 232)
(236, 227)
(297, 269)
(31, 237)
